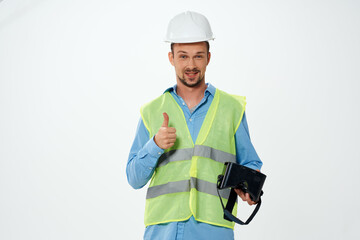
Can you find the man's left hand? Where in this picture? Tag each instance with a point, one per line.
(245, 196)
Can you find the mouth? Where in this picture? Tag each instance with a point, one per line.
(191, 74)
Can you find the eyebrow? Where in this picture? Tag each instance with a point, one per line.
(181, 51)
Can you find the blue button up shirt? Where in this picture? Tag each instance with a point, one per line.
(144, 155)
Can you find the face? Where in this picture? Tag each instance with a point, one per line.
(190, 61)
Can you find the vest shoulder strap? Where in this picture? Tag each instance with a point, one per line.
(235, 103)
(147, 109)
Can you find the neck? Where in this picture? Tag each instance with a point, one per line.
(191, 95)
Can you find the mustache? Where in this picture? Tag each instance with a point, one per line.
(194, 70)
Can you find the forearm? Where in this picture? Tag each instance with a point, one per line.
(245, 151)
(141, 165)
(143, 158)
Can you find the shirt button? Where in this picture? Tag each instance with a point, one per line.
(190, 119)
(159, 153)
(183, 103)
(150, 168)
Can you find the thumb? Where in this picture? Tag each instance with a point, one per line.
(166, 120)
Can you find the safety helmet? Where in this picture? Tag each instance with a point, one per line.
(188, 27)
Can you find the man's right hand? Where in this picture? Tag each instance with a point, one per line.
(165, 137)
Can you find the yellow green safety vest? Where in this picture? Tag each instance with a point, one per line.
(184, 181)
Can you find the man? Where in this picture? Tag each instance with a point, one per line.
(183, 139)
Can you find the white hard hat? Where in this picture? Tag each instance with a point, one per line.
(188, 27)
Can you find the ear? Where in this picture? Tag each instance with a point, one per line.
(171, 58)
(209, 56)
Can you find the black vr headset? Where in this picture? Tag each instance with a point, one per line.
(244, 178)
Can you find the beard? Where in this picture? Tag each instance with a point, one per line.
(194, 84)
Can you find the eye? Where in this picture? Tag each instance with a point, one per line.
(198, 56)
(183, 56)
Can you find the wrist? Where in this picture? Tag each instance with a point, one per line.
(154, 149)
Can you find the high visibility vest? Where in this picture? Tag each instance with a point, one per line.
(184, 181)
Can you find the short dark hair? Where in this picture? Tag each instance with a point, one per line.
(207, 46)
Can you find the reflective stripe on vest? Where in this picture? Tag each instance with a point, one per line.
(198, 150)
(185, 186)
(184, 181)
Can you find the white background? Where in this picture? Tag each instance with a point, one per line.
(73, 75)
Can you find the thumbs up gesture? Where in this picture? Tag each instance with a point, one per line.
(165, 137)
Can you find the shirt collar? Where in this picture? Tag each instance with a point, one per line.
(210, 89)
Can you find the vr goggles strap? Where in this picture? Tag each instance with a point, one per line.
(230, 205)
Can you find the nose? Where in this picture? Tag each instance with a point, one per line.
(191, 63)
